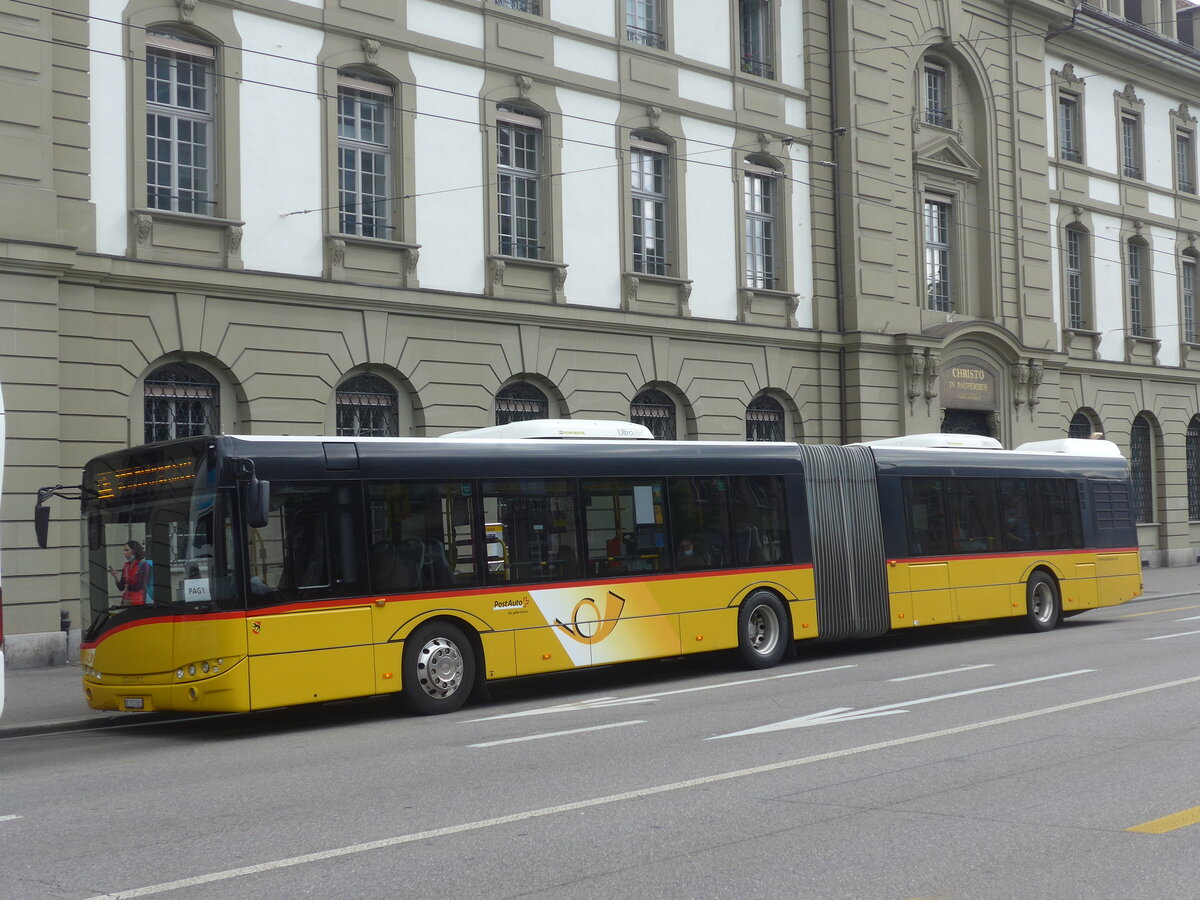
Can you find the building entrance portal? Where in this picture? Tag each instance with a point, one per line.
(966, 421)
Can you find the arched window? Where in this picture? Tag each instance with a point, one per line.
(520, 402)
(1081, 426)
(1193, 468)
(765, 420)
(367, 407)
(1141, 465)
(181, 400)
(656, 411)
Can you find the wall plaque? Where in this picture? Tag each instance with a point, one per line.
(968, 383)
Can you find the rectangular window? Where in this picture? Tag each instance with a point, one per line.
(937, 256)
(649, 184)
(531, 523)
(925, 516)
(1184, 164)
(760, 522)
(700, 522)
(179, 125)
(624, 522)
(518, 184)
(311, 548)
(937, 95)
(1041, 514)
(1192, 456)
(642, 25)
(1137, 326)
(1131, 144)
(760, 227)
(1069, 146)
(1188, 280)
(756, 37)
(420, 536)
(364, 151)
(1075, 286)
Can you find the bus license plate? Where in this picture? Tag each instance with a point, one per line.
(135, 703)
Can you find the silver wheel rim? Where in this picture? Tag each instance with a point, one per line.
(440, 668)
(762, 630)
(1041, 602)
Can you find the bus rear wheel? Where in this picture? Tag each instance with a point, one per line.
(438, 669)
(1043, 604)
(762, 630)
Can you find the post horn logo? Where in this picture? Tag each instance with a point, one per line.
(590, 624)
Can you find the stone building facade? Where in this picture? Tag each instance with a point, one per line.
(809, 220)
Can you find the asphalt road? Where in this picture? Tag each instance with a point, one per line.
(954, 763)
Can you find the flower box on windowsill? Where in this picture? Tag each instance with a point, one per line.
(764, 306)
(1142, 350)
(164, 236)
(518, 278)
(661, 295)
(1081, 344)
(365, 260)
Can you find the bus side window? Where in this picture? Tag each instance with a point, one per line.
(760, 524)
(534, 526)
(925, 516)
(700, 515)
(624, 525)
(421, 536)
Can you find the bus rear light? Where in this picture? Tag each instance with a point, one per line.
(699, 637)
(546, 656)
(388, 676)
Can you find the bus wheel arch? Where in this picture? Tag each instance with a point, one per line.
(1043, 601)
(440, 666)
(764, 629)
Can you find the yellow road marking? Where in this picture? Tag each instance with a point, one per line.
(1169, 823)
(1159, 612)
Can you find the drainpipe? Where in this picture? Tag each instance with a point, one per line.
(839, 291)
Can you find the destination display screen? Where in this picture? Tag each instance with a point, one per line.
(172, 473)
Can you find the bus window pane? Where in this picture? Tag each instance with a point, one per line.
(420, 536)
(925, 517)
(311, 548)
(760, 524)
(700, 522)
(624, 526)
(531, 530)
(974, 522)
(1050, 507)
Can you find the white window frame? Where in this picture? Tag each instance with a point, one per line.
(650, 195)
(935, 93)
(938, 240)
(761, 211)
(172, 127)
(519, 203)
(1185, 161)
(364, 157)
(1136, 286)
(1131, 144)
(1075, 261)
(644, 24)
(1070, 145)
(756, 38)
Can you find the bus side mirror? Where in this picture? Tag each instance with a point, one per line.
(258, 503)
(41, 524)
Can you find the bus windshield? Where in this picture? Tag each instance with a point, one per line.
(158, 541)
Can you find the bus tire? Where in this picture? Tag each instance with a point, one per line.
(762, 630)
(438, 668)
(1043, 603)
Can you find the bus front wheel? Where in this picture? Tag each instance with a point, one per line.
(1043, 606)
(762, 630)
(439, 668)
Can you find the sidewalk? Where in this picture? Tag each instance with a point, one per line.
(51, 698)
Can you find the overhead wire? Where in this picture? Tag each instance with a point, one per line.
(1001, 215)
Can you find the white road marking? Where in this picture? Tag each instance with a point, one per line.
(1163, 637)
(1188, 619)
(609, 799)
(9, 818)
(848, 713)
(942, 672)
(550, 734)
(600, 702)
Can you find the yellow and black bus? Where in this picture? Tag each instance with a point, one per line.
(284, 570)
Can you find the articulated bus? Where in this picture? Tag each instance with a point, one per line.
(297, 570)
